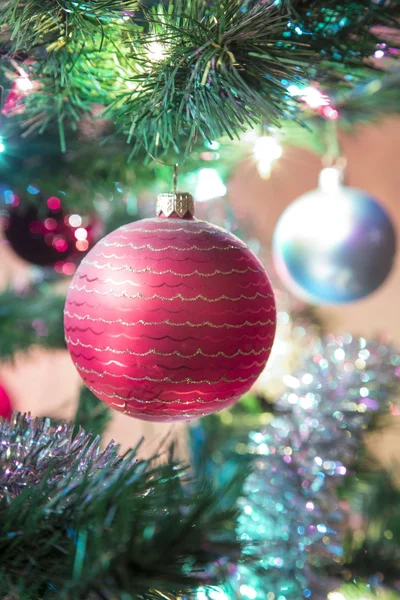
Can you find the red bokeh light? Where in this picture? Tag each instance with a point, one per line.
(82, 245)
(330, 113)
(54, 203)
(60, 244)
(50, 224)
(68, 268)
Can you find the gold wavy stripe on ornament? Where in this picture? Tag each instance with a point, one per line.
(166, 322)
(152, 351)
(165, 379)
(128, 282)
(123, 389)
(108, 266)
(190, 230)
(178, 248)
(166, 337)
(170, 238)
(170, 416)
(115, 396)
(159, 308)
(140, 296)
(164, 258)
(255, 363)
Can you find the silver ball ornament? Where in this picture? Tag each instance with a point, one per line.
(334, 244)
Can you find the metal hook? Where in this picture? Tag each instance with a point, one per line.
(176, 168)
(340, 162)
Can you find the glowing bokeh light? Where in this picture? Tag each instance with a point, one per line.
(50, 224)
(68, 268)
(54, 203)
(267, 148)
(209, 185)
(314, 98)
(60, 244)
(24, 84)
(155, 51)
(330, 113)
(75, 220)
(82, 245)
(81, 233)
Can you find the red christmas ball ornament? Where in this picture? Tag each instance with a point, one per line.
(43, 234)
(170, 318)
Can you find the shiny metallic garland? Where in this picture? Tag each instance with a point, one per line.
(290, 509)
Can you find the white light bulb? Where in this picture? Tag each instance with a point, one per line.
(314, 98)
(24, 84)
(264, 168)
(267, 148)
(294, 90)
(155, 51)
(2, 145)
(75, 220)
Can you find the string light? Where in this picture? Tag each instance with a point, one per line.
(74, 220)
(316, 100)
(156, 51)
(266, 151)
(2, 145)
(23, 84)
(81, 233)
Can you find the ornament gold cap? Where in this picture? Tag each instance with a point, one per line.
(179, 203)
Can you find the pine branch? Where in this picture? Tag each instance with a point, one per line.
(224, 66)
(30, 320)
(77, 523)
(55, 24)
(225, 70)
(374, 554)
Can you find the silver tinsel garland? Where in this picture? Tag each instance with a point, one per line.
(33, 451)
(290, 508)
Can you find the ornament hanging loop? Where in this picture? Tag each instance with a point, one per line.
(332, 174)
(333, 157)
(176, 169)
(337, 162)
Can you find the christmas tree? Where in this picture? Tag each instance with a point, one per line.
(100, 100)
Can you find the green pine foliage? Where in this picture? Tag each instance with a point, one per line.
(31, 319)
(78, 523)
(187, 70)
